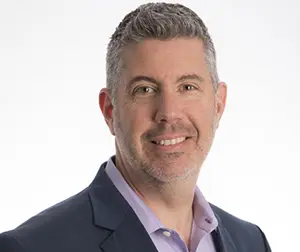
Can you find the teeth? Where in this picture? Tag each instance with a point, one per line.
(171, 141)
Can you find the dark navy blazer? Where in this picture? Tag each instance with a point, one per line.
(100, 219)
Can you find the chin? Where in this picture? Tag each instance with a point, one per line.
(168, 171)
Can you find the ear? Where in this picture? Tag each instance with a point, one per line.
(106, 106)
(221, 96)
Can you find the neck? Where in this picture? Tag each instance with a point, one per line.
(171, 202)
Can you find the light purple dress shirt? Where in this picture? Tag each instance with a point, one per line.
(165, 240)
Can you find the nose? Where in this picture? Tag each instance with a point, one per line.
(168, 108)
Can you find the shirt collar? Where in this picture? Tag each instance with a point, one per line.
(204, 217)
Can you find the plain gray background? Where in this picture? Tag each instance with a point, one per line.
(53, 137)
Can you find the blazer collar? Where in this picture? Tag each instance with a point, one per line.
(121, 228)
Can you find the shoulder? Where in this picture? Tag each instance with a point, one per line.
(243, 234)
(61, 222)
(230, 221)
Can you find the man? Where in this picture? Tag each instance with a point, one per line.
(163, 103)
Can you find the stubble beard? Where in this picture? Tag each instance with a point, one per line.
(153, 172)
(158, 171)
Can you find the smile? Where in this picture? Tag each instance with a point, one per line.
(167, 142)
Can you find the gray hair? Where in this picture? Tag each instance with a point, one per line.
(161, 21)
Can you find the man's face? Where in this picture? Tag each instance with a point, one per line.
(166, 109)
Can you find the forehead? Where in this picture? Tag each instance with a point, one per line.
(165, 58)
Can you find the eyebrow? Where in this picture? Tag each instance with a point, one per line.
(140, 78)
(182, 78)
(187, 77)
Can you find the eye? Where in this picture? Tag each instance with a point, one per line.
(188, 87)
(144, 90)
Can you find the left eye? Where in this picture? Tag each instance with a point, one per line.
(188, 87)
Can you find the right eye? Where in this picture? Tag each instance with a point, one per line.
(144, 90)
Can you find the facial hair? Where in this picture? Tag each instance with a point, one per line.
(154, 170)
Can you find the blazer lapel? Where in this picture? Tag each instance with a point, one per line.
(129, 236)
(121, 229)
(221, 237)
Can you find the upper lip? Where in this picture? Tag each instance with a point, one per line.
(167, 137)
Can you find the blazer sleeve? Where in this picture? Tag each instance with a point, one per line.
(10, 244)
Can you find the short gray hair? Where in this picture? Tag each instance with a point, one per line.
(161, 21)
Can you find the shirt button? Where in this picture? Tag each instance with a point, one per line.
(166, 233)
(208, 220)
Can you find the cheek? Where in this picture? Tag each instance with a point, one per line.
(203, 115)
(134, 121)
(140, 121)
